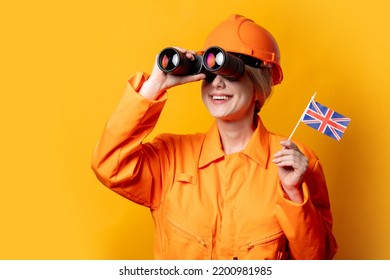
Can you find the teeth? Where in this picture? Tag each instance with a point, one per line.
(219, 97)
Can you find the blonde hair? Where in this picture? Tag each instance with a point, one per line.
(262, 81)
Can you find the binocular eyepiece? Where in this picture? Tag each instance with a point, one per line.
(214, 61)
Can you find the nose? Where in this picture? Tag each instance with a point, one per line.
(218, 82)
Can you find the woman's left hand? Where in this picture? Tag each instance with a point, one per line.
(292, 165)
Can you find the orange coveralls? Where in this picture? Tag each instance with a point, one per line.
(205, 204)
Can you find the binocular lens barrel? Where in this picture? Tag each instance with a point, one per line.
(174, 62)
(214, 61)
(169, 60)
(219, 62)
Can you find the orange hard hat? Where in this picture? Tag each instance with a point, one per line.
(242, 35)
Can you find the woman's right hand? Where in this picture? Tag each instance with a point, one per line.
(159, 81)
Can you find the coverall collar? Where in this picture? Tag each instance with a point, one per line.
(212, 146)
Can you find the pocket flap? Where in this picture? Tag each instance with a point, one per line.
(186, 178)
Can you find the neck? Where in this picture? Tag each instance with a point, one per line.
(235, 135)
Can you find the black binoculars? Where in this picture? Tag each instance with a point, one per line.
(214, 61)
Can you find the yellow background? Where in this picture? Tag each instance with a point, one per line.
(64, 65)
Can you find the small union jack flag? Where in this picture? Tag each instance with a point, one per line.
(325, 120)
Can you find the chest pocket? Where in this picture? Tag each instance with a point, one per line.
(267, 241)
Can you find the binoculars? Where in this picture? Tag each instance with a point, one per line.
(214, 61)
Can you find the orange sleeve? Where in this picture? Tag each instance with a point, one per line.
(308, 226)
(119, 153)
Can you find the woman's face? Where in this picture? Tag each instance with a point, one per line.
(229, 100)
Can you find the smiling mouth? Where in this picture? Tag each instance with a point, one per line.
(220, 97)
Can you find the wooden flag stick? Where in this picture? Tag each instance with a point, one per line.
(300, 119)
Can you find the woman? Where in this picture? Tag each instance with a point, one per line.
(235, 192)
